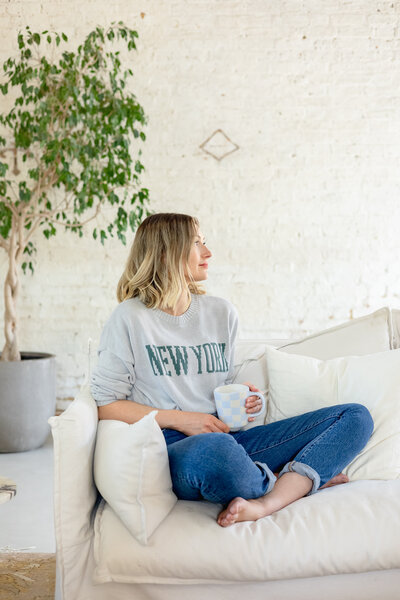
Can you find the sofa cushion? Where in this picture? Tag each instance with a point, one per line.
(298, 384)
(396, 327)
(131, 472)
(365, 335)
(333, 531)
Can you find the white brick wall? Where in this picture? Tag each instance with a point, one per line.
(303, 219)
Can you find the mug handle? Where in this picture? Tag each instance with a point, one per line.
(263, 403)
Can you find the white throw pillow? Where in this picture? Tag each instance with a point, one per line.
(365, 335)
(131, 471)
(298, 384)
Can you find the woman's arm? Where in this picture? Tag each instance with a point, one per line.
(189, 423)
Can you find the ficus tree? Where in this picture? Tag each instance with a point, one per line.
(69, 146)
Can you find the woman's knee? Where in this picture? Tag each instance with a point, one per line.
(206, 467)
(217, 466)
(205, 452)
(362, 421)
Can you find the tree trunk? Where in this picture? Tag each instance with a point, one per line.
(11, 289)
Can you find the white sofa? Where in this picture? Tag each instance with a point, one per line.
(342, 542)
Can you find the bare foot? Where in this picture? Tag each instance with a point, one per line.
(240, 509)
(337, 480)
(289, 488)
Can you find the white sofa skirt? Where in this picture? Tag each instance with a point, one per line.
(78, 566)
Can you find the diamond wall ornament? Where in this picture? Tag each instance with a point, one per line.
(218, 145)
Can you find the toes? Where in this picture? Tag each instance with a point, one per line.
(337, 480)
(230, 515)
(225, 521)
(341, 478)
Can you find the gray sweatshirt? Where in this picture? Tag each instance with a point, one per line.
(164, 361)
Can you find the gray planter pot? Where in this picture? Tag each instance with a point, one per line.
(27, 400)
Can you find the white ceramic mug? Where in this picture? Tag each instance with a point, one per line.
(230, 401)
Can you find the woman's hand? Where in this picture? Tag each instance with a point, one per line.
(193, 423)
(253, 403)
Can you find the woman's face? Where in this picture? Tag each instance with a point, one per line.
(198, 257)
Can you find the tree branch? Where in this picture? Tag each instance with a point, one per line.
(21, 239)
(48, 215)
(10, 205)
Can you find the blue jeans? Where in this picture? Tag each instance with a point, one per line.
(220, 466)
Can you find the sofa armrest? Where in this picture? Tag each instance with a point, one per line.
(75, 493)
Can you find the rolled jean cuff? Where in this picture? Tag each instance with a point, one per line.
(302, 469)
(271, 477)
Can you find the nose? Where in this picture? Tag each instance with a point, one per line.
(206, 252)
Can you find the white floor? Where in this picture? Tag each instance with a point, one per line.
(26, 521)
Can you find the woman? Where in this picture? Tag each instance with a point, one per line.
(167, 346)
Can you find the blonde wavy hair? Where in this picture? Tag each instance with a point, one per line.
(158, 259)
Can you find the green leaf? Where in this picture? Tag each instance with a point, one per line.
(29, 249)
(36, 38)
(3, 169)
(34, 173)
(138, 166)
(50, 231)
(26, 265)
(24, 192)
(122, 237)
(5, 220)
(64, 37)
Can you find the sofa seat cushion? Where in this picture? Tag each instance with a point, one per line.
(349, 528)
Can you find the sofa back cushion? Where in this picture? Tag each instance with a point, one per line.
(365, 335)
(396, 327)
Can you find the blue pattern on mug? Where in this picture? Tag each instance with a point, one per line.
(230, 401)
